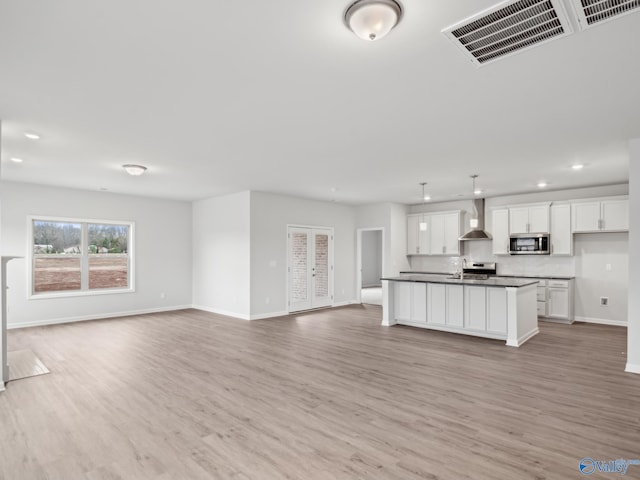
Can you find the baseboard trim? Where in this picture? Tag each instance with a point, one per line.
(218, 311)
(601, 321)
(527, 336)
(99, 316)
(264, 316)
(631, 368)
(1, 386)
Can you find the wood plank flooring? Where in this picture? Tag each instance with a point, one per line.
(323, 395)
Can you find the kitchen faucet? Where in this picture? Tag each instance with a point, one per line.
(464, 265)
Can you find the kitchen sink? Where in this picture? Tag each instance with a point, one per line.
(470, 276)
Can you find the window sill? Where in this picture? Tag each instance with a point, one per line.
(77, 293)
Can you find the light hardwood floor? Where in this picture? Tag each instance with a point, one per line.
(323, 395)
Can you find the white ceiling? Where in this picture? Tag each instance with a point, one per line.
(217, 97)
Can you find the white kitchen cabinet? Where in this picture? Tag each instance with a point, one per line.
(500, 231)
(410, 302)
(455, 305)
(475, 300)
(419, 302)
(615, 215)
(561, 236)
(417, 240)
(437, 303)
(444, 233)
(402, 300)
(529, 219)
(445, 304)
(558, 302)
(555, 299)
(605, 215)
(497, 310)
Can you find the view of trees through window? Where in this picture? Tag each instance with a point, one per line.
(71, 256)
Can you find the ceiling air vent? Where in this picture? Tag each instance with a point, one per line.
(508, 28)
(594, 12)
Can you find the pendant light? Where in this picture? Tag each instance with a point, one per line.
(473, 223)
(423, 223)
(372, 19)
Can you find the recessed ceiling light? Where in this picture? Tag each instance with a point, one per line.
(542, 184)
(32, 136)
(135, 170)
(477, 192)
(577, 166)
(16, 160)
(427, 198)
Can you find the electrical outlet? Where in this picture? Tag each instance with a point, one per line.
(267, 300)
(604, 301)
(607, 267)
(163, 295)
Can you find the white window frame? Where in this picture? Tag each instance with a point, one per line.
(84, 258)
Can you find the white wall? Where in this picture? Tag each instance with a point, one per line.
(162, 252)
(221, 255)
(633, 328)
(592, 252)
(371, 258)
(392, 217)
(270, 215)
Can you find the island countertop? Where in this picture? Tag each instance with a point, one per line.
(440, 278)
(505, 275)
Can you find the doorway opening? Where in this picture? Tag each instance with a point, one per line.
(310, 268)
(370, 259)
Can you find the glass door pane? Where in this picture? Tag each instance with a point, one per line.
(321, 266)
(299, 267)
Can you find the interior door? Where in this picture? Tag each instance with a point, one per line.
(310, 268)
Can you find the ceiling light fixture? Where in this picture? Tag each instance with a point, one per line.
(473, 222)
(577, 166)
(135, 170)
(423, 222)
(372, 19)
(32, 136)
(542, 184)
(16, 160)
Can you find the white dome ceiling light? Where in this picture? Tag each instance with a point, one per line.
(372, 19)
(135, 170)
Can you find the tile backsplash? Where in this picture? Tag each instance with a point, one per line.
(481, 251)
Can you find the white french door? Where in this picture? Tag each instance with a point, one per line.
(310, 275)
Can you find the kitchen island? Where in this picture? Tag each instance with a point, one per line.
(498, 307)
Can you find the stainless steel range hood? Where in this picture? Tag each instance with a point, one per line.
(477, 233)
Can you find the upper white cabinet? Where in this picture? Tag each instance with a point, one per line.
(500, 232)
(561, 236)
(529, 219)
(440, 238)
(417, 240)
(610, 215)
(445, 231)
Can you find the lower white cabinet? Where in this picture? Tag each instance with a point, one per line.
(455, 305)
(468, 307)
(558, 302)
(555, 299)
(475, 300)
(497, 310)
(410, 301)
(437, 303)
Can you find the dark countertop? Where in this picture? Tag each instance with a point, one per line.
(552, 277)
(442, 278)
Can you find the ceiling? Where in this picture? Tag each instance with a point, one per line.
(218, 97)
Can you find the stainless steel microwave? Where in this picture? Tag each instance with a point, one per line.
(529, 244)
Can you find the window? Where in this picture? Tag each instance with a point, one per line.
(79, 257)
